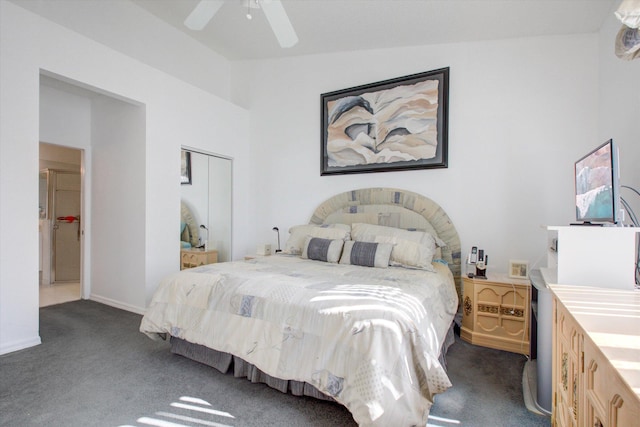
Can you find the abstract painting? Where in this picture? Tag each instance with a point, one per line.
(397, 124)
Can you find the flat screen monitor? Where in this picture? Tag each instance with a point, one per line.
(596, 186)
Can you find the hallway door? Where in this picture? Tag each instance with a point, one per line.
(66, 227)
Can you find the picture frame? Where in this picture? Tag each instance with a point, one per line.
(392, 125)
(518, 269)
(185, 167)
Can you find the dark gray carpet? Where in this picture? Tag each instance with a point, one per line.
(95, 369)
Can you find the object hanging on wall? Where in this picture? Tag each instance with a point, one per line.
(185, 167)
(397, 124)
(627, 44)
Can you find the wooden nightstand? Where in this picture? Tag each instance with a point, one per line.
(496, 312)
(190, 258)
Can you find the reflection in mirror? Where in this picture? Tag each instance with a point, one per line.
(206, 205)
(43, 201)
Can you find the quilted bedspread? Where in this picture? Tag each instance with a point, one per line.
(368, 337)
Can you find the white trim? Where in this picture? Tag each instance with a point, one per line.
(20, 345)
(117, 304)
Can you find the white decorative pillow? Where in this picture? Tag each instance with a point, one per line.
(367, 254)
(319, 249)
(414, 249)
(409, 254)
(298, 234)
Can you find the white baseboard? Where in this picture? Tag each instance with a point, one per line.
(117, 304)
(20, 345)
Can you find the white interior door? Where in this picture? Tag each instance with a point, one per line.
(219, 216)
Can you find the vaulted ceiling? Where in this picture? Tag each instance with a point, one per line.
(345, 25)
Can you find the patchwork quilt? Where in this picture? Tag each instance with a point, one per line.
(369, 337)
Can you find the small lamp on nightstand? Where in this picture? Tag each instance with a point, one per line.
(206, 240)
(277, 230)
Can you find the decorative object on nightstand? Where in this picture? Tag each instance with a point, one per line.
(190, 258)
(481, 269)
(496, 312)
(264, 249)
(477, 262)
(277, 230)
(518, 269)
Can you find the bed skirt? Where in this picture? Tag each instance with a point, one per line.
(225, 362)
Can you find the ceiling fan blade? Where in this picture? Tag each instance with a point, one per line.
(280, 23)
(202, 14)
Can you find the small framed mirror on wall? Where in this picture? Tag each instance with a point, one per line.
(206, 205)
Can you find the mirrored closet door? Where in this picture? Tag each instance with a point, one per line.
(206, 196)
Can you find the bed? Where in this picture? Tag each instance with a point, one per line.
(349, 312)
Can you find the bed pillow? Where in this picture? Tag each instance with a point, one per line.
(298, 234)
(319, 249)
(412, 249)
(367, 254)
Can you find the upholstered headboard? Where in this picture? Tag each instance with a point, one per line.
(395, 208)
(190, 233)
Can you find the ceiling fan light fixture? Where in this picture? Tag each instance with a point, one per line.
(273, 10)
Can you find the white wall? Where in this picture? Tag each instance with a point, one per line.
(118, 208)
(176, 113)
(65, 118)
(131, 30)
(619, 108)
(521, 111)
(18, 165)
(56, 156)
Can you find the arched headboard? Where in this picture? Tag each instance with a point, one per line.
(398, 208)
(190, 233)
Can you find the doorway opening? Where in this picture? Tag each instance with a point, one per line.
(60, 224)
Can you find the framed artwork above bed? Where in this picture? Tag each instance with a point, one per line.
(396, 124)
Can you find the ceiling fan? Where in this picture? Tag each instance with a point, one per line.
(273, 10)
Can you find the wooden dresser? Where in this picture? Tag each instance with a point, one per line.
(596, 357)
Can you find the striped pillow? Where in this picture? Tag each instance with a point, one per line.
(412, 249)
(367, 254)
(319, 249)
(298, 233)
